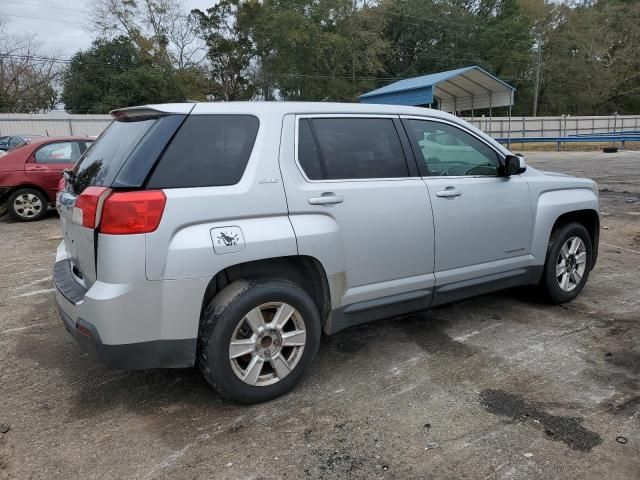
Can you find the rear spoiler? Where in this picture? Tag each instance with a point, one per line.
(146, 112)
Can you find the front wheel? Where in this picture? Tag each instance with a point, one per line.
(569, 258)
(257, 338)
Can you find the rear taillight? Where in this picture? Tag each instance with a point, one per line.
(86, 211)
(125, 213)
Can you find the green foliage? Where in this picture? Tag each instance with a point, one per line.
(31, 98)
(310, 50)
(591, 61)
(429, 36)
(111, 74)
(229, 52)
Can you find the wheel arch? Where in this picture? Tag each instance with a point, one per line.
(555, 208)
(21, 186)
(303, 270)
(588, 218)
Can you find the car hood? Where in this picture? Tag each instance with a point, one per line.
(554, 174)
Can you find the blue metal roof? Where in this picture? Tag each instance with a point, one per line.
(467, 82)
(427, 81)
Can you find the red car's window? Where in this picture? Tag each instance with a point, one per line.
(59, 152)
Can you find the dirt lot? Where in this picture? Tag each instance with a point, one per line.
(499, 386)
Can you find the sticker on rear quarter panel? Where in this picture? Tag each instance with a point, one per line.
(227, 240)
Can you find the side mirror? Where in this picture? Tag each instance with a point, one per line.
(514, 165)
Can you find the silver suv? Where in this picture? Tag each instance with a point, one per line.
(230, 235)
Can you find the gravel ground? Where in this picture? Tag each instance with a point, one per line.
(499, 386)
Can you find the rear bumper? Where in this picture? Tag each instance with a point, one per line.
(75, 305)
(130, 356)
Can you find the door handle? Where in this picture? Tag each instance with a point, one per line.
(326, 198)
(449, 192)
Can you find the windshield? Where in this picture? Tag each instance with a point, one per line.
(17, 147)
(28, 138)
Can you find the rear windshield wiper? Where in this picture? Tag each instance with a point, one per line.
(69, 176)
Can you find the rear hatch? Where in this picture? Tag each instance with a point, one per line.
(119, 160)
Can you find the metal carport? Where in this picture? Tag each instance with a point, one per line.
(470, 88)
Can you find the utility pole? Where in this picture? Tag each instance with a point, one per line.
(535, 93)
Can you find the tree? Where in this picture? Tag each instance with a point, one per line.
(229, 52)
(428, 36)
(310, 50)
(111, 74)
(590, 60)
(27, 77)
(160, 29)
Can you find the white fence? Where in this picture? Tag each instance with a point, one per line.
(562, 126)
(52, 124)
(56, 124)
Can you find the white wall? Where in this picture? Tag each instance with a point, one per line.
(54, 124)
(561, 126)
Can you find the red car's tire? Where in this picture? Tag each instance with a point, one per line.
(27, 205)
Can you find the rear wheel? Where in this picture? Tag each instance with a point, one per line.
(568, 263)
(27, 205)
(257, 339)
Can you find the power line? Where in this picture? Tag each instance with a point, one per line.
(440, 20)
(281, 75)
(437, 22)
(457, 34)
(43, 19)
(40, 5)
(67, 61)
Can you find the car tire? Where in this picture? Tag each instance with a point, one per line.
(275, 329)
(566, 272)
(27, 205)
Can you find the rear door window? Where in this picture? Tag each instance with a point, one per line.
(59, 152)
(208, 150)
(308, 154)
(353, 148)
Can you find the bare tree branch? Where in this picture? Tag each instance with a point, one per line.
(161, 29)
(28, 79)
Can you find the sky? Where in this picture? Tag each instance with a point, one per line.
(61, 26)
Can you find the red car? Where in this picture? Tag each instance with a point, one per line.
(30, 173)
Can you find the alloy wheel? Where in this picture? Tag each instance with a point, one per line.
(267, 344)
(571, 264)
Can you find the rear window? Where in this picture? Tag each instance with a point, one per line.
(102, 161)
(208, 150)
(351, 148)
